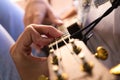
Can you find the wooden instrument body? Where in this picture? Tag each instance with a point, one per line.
(71, 64)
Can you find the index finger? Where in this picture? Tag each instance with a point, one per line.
(48, 30)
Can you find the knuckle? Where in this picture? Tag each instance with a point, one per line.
(51, 28)
(29, 28)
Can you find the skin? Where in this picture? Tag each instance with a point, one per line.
(40, 12)
(28, 66)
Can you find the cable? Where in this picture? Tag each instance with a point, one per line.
(115, 4)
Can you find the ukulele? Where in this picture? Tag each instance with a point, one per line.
(70, 59)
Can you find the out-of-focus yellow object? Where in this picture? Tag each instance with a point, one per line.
(101, 53)
(115, 70)
(64, 76)
(55, 68)
(43, 77)
(76, 49)
(86, 66)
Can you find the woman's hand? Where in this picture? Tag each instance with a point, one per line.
(40, 12)
(30, 67)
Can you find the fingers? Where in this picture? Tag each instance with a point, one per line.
(38, 11)
(49, 31)
(32, 34)
(53, 17)
(35, 12)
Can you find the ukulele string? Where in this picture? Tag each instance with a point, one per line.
(60, 56)
(75, 56)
